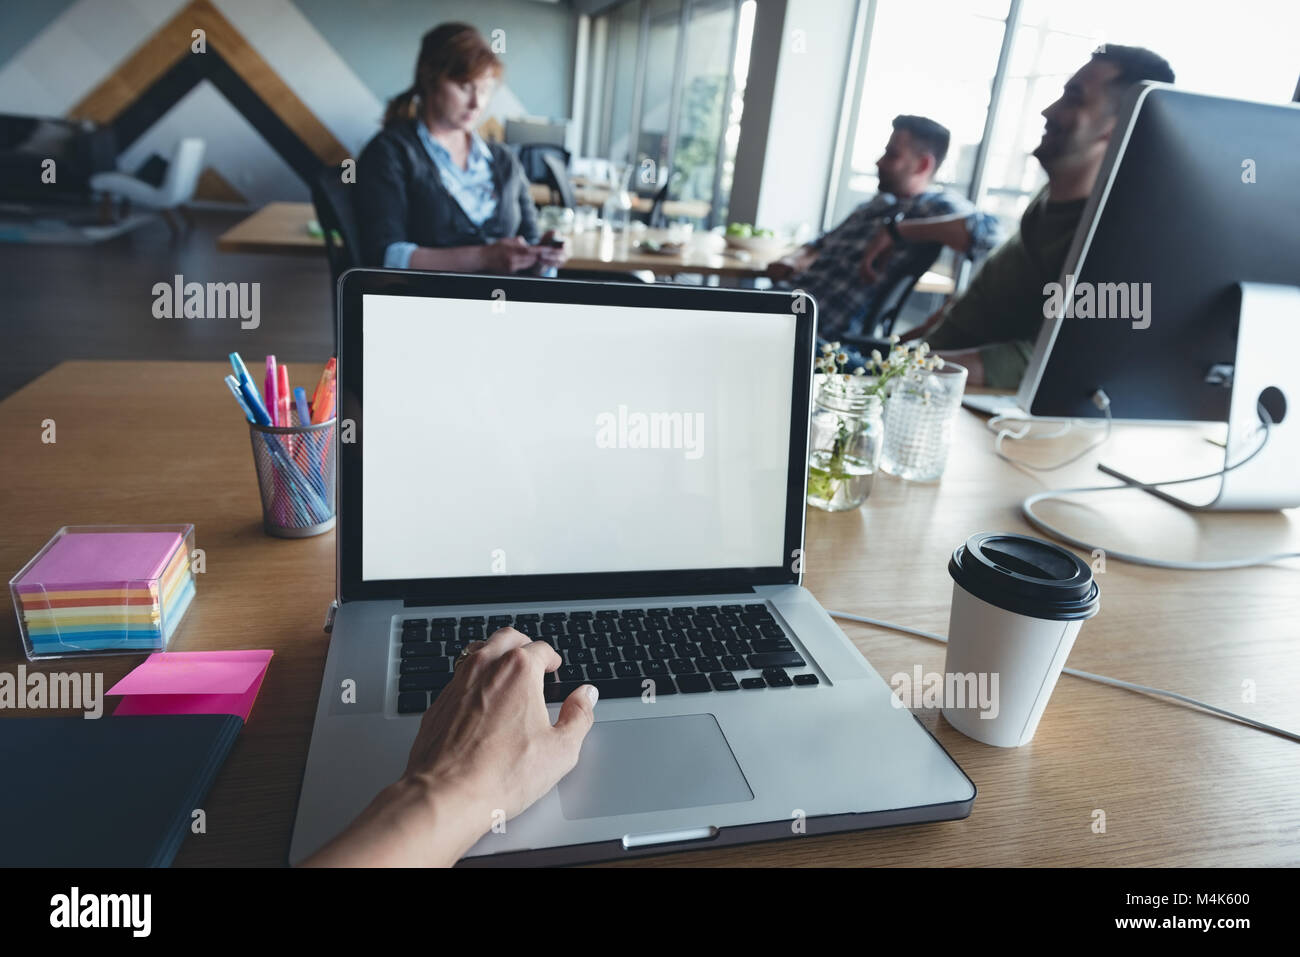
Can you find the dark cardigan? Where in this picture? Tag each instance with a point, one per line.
(401, 198)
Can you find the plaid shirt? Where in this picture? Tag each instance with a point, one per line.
(834, 280)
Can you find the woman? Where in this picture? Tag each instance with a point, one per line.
(485, 751)
(431, 193)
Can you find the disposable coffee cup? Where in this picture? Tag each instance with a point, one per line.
(1017, 606)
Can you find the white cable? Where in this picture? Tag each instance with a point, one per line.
(1027, 509)
(1089, 676)
(1099, 399)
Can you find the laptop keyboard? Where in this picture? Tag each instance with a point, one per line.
(683, 650)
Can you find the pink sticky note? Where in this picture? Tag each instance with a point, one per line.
(194, 682)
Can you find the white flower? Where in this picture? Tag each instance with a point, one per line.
(895, 339)
(827, 348)
(859, 371)
(875, 356)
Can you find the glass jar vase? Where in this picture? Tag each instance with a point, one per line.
(847, 433)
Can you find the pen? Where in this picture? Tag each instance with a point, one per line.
(254, 403)
(272, 391)
(300, 399)
(324, 409)
(284, 398)
(241, 370)
(239, 397)
(329, 371)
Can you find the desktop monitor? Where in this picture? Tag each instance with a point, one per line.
(1180, 296)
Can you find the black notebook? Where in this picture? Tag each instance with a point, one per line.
(109, 792)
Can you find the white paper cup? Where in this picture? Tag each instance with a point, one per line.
(1017, 605)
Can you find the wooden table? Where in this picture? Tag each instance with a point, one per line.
(1178, 787)
(281, 228)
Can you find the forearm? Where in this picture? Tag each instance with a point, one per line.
(408, 824)
(971, 359)
(951, 231)
(924, 329)
(448, 259)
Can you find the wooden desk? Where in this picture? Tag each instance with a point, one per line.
(1179, 787)
(281, 228)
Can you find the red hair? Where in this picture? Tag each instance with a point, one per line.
(450, 51)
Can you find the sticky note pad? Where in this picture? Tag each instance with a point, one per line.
(105, 588)
(194, 682)
(106, 560)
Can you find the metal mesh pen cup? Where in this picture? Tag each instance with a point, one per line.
(296, 472)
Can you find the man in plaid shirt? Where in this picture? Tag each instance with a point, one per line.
(832, 268)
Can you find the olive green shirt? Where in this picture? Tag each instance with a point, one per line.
(1001, 310)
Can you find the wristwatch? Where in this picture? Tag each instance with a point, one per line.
(891, 224)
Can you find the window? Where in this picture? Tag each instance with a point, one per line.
(932, 58)
(672, 85)
(940, 58)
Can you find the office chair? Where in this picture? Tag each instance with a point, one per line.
(557, 178)
(872, 327)
(177, 187)
(338, 222)
(532, 159)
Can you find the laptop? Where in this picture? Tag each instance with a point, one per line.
(619, 470)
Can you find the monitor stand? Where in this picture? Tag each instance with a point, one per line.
(1267, 372)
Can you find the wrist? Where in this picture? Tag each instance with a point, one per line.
(439, 819)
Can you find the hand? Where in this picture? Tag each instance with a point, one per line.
(781, 269)
(488, 735)
(548, 256)
(879, 246)
(508, 255)
(486, 748)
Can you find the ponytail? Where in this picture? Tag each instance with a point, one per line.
(401, 107)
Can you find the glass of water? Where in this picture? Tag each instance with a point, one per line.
(919, 416)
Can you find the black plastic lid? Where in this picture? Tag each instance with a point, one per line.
(1025, 575)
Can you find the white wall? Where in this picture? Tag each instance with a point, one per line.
(810, 78)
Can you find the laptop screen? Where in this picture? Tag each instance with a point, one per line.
(541, 438)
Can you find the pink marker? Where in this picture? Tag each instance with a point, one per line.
(273, 391)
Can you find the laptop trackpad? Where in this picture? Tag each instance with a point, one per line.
(652, 764)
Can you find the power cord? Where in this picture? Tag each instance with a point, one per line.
(1089, 676)
(1099, 398)
(1027, 509)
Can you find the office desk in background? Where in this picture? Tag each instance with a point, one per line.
(281, 228)
(1177, 787)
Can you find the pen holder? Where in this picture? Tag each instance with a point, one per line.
(296, 468)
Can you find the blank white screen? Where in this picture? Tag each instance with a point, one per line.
(483, 438)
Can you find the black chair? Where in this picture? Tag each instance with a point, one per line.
(338, 222)
(532, 157)
(871, 329)
(557, 178)
(655, 218)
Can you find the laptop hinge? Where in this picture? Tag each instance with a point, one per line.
(330, 612)
(518, 598)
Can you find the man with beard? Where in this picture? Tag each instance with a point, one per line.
(831, 267)
(991, 328)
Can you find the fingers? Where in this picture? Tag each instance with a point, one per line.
(543, 653)
(576, 716)
(501, 641)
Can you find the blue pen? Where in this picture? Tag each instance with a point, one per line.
(241, 370)
(239, 397)
(300, 398)
(250, 388)
(254, 401)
